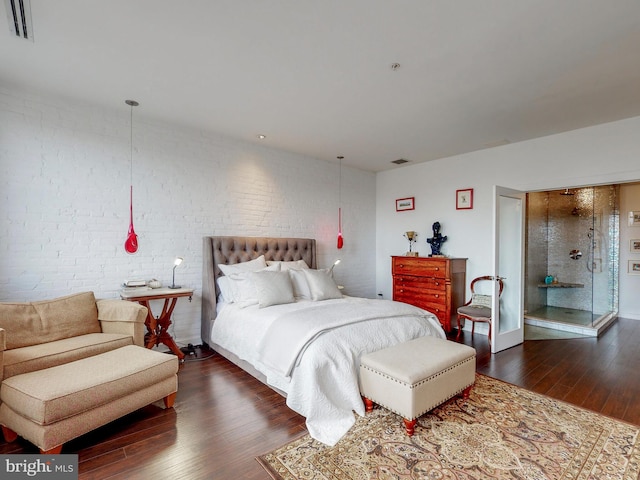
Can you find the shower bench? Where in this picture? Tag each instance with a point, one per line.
(561, 285)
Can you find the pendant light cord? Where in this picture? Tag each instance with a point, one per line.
(340, 239)
(131, 146)
(340, 186)
(340, 195)
(131, 103)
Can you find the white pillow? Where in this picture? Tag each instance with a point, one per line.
(300, 285)
(322, 286)
(293, 265)
(226, 289)
(242, 288)
(478, 300)
(272, 288)
(250, 266)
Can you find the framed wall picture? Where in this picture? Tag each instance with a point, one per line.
(464, 199)
(634, 245)
(634, 267)
(634, 218)
(405, 204)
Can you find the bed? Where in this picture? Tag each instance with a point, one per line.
(308, 346)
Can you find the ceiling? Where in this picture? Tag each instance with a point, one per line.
(315, 76)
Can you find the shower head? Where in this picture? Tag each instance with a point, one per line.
(567, 192)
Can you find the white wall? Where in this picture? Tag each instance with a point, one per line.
(603, 154)
(629, 283)
(64, 202)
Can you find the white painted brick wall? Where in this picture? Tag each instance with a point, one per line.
(64, 202)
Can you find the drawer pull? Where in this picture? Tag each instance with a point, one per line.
(437, 296)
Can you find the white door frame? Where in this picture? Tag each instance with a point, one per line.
(507, 323)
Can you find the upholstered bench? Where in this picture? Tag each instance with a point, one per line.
(52, 406)
(416, 376)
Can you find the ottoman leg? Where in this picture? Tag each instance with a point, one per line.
(410, 425)
(368, 404)
(8, 434)
(467, 391)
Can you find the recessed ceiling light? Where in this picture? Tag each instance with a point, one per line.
(395, 66)
(261, 136)
(400, 161)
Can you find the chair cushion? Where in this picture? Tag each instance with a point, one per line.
(475, 312)
(37, 357)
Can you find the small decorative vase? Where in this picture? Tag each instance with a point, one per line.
(548, 279)
(155, 283)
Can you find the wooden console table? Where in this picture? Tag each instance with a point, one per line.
(158, 328)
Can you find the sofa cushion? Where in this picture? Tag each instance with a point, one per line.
(45, 321)
(37, 357)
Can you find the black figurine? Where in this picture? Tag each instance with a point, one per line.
(437, 240)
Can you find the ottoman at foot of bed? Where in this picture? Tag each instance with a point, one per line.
(414, 377)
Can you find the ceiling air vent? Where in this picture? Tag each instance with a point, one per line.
(19, 17)
(400, 161)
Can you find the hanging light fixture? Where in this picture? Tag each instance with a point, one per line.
(131, 243)
(340, 239)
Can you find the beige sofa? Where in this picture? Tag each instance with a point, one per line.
(43, 334)
(72, 364)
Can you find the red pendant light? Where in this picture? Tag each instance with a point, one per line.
(340, 239)
(131, 243)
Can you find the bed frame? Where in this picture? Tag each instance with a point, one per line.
(230, 250)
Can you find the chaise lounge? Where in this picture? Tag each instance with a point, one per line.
(72, 364)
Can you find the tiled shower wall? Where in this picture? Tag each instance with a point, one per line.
(585, 220)
(537, 251)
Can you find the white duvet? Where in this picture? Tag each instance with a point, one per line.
(323, 383)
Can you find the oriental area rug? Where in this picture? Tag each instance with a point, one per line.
(500, 432)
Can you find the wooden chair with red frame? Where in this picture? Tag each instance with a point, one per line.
(478, 309)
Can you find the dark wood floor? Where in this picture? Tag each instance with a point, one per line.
(223, 418)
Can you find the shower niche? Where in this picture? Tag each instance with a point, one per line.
(572, 251)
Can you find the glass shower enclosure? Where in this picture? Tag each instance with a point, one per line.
(572, 259)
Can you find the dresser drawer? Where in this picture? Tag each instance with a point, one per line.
(433, 298)
(439, 309)
(428, 283)
(421, 291)
(433, 284)
(422, 267)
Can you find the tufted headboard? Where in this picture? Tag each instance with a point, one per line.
(230, 250)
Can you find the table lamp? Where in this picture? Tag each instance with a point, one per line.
(177, 262)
